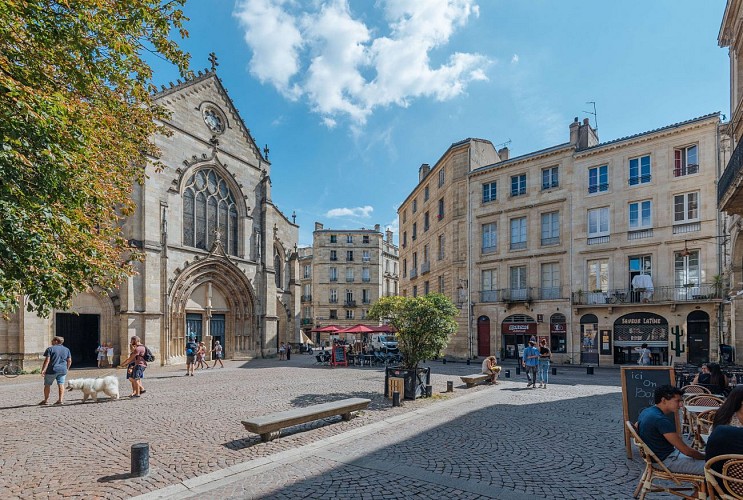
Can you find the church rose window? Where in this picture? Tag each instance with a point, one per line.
(208, 206)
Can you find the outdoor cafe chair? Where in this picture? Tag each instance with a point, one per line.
(728, 484)
(695, 389)
(702, 424)
(704, 400)
(655, 469)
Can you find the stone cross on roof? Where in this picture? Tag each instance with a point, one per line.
(213, 61)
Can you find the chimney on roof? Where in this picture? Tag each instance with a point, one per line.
(503, 153)
(423, 171)
(574, 131)
(587, 136)
(388, 234)
(377, 227)
(318, 226)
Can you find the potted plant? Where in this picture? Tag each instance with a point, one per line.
(424, 325)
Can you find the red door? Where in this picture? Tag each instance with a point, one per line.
(483, 336)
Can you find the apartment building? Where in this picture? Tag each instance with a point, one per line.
(730, 187)
(597, 247)
(348, 271)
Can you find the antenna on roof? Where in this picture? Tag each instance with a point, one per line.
(595, 116)
(503, 144)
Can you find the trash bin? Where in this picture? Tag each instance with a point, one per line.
(726, 353)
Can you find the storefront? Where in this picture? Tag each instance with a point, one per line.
(634, 329)
(517, 330)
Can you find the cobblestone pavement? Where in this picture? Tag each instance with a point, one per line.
(467, 444)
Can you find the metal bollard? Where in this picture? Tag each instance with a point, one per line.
(508, 373)
(449, 386)
(429, 391)
(468, 360)
(396, 398)
(589, 370)
(554, 371)
(140, 465)
(444, 360)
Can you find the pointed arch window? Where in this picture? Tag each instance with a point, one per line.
(208, 207)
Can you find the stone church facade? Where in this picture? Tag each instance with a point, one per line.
(220, 259)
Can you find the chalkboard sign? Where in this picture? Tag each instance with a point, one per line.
(339, 355)
(638, 392)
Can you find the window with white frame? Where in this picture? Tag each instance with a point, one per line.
(550, 178)
(442, 247)
(333, 274)
(349, 296)
(551, 228)
(598, 275)
(349, 238)
(333, 297)
(349, 274)
(489, 190)
(686, 161)
(365, 277)
(489, 237)
(686, 207)
(349, 313)
(518, 185)
(307, 271)
(640, 215)
(598, 179)
(442, 177)
(518, 233)
(598, 222)
(686, 269)
(518, 283)
(489, 285)
(349, 255)
(307, 291)
(365, 256)
(639, 170)
(550, 281)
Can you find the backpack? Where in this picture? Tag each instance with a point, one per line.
(148, 356)
(189, 351)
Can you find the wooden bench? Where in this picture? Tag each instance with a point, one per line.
(269, 426)
(474, 379)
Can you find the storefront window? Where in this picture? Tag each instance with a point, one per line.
(558, 333)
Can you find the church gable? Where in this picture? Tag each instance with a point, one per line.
(201, 108)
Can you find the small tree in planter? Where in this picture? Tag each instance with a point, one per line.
(424, 325)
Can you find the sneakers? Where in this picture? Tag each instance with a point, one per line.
(544, 386)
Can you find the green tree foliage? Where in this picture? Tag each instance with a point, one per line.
(424, 324)
(77, 120)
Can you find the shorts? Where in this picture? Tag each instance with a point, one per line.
(218, 355)
(136, 372)
(49, 378)
(189, 360)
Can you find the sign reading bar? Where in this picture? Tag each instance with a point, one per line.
(638, 392)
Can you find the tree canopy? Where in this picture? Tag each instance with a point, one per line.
(77, 121)
(424, 324)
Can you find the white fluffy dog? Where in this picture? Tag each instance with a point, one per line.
(92, 386)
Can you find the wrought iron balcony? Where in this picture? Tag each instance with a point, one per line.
(425, 267)
(516, 294)
(306, 298)
(349, 303)
(705, 292)
(732, 172)
(413, 273)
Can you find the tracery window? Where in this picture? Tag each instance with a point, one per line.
(208, 206)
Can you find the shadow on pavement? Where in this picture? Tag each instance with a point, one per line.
(115, 477)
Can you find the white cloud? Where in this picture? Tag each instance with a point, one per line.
(364, 212)
(347, 69)
(515, 59)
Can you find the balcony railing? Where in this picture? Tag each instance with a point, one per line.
(554, 240)
(518, 245)
(732, 171)
(349, 279)
(306, 321)
(349, 303)
(598, 188)
(413, 273)
(490, 296)
(597, 240)
(639, 234)
(516, 294)
(306, 298)
(688, 227)
(705, 292)
(425, 267)
(687, 170)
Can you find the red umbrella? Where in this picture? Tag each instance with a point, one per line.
(384, 329)
(327, 329)
(359, 328)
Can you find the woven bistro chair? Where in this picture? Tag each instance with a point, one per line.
(695, 389)
(702, 424)
(704, 400)
(727, 485)
(655, 469)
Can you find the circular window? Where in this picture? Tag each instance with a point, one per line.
(214, 119)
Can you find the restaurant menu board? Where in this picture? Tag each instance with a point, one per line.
(339, 355)
(638, 392)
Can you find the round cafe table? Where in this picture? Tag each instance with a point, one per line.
(699, 409)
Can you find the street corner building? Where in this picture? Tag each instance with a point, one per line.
(220, 259)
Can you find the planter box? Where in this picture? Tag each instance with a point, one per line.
(415, 381)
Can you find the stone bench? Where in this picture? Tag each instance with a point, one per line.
(269, 426)
(474, 379)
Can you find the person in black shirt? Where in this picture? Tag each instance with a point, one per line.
(724, 440)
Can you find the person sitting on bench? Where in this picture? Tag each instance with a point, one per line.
(490, 367)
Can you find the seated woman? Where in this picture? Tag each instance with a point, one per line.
(490, 367)
(731, 411)
(713, 379)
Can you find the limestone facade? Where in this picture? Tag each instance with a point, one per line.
(220, 259)
(350, 269)
(550, 244)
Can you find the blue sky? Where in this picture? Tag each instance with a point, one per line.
(352, 96)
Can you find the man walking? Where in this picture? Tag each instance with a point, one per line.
(530, 362)
(57, 360)
(191, 348)
(656, 425)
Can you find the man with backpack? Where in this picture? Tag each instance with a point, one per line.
(191, 348)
